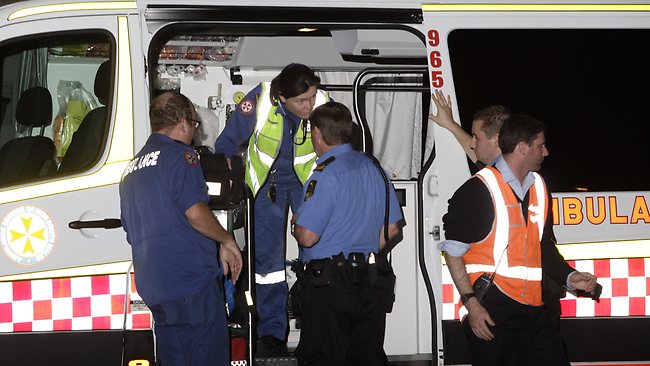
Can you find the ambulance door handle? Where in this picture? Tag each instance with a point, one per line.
(105, 223)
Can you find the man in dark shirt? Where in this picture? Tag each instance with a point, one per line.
(499, 223)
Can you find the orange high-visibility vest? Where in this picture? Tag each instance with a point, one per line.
(513, 246)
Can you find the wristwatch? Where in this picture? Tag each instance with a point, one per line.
(465, 297)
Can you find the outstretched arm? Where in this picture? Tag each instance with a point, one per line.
(444, 119)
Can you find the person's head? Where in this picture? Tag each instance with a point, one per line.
(525, 137)
(485, 132)
(331, 124)
(173, 114)
(296, 86)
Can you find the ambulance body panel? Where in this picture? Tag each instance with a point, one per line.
(64, 260)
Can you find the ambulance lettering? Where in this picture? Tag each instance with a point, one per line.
(146, 160)
(596, 210)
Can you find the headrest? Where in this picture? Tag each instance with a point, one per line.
(103, 82)
(34, 107)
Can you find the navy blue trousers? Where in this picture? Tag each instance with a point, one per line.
(270, 252)
(193, 331)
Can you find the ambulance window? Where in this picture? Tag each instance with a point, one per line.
(590, 87)
(52, 112)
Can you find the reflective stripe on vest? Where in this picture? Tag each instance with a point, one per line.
(264, 143)
(512, 246)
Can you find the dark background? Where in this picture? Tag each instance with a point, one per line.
(590, 87)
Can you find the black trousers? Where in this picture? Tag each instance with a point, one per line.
(523, 335)
(342, 323)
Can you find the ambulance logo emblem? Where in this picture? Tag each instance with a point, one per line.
(27, 235)
(247, 106)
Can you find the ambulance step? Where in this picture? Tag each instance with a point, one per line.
(276, 361)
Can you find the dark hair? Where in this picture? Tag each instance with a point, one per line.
(293, 80)
(168, 109)
(518, 128)
(492, 117)
(334, 121)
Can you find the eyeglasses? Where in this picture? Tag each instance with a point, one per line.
(197, 123)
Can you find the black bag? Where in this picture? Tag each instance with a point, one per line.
(231, 181)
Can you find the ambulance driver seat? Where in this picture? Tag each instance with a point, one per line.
(88, 140)
(29, 157)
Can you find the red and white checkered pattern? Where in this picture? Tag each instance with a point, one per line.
(626, 290)
(78, 303)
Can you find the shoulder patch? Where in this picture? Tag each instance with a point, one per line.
(310, 189)
(323, 165)
(247, 106)
(191, 158)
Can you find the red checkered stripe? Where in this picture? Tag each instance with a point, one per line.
(626, 290)
(62, 304)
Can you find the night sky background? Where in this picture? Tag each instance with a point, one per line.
(590, 87)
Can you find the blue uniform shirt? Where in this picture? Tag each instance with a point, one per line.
(171, 259)
(347, 206)
(241, 125)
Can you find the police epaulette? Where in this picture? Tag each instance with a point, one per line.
(321, 166)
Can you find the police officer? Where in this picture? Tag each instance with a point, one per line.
(339, 228)
(172, 232)
(273, 119)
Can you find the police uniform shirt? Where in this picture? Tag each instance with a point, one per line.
(346, 206)
(171, 259)
(241, 125)
(470, 218)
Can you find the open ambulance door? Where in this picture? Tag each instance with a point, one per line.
(582, 70)
(369, 56)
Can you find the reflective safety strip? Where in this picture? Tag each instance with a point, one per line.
(503, 232)
(252, 175)
(265, 158)
(626, 290)
(540, 215)
(270, 278)
(304, 159)
(77, 303)
(521, 272)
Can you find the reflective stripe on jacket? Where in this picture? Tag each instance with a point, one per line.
(264, 143)
(513, 244)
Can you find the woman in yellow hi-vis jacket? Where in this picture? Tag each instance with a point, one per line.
(273, 119)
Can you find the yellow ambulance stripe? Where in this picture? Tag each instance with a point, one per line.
(121, 148)
(603, 250)
(606, 250)
(535, 7)
(94, 270)
(122, 141)
(45, 9)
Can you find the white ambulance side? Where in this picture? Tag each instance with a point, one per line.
(606, 233)
(56, 279)
(422, 324)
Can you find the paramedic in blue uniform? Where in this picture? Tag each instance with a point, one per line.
(273, 120)
(340, 229)
(180, 251)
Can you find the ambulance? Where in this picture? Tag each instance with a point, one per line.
(78, 76)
